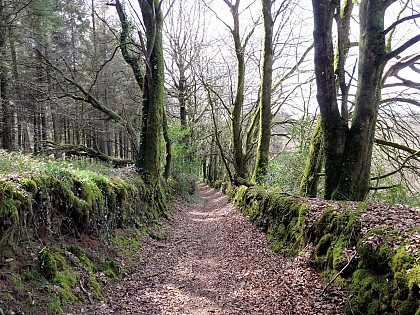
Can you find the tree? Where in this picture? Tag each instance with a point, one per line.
(263, 148)
(265, 115)
(151, 83)
(348, 150)
(240, 157)
(7, 121)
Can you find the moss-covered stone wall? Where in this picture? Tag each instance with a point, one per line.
(61, 229)
(37, 205)
(375, 249)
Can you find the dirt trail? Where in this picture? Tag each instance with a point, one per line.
(215, 262)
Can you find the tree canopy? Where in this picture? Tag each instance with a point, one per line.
(221, 90)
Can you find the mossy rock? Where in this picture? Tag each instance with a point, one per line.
(29, 185)
(375, 256)
(323, 245)
(239, 198)
(370, 294)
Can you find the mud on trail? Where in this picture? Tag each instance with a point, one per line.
(215, 262)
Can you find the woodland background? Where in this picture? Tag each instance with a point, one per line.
(73, 75)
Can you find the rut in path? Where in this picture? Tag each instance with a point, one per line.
(215, 262)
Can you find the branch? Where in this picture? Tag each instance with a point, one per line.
(80, 150)
(413, 153)
(403, 47)
(402, 100)
(403, 63)
(125, 39)
(281, 9)
(209, 88)
(393, 25)
(293, 69)
(406, 83)
(395, 145)
(417, 153)
(217, 137)
(339, 273)
(92, 100)
(247, 38)
(217, 16)
(383, 187)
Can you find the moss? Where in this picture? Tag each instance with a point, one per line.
(18, 281)
(374, 255)
(324, 225)
(349, 225)
(63, 200)
(90, 193)
(29, 185)
(323, 245)
(370, 294)
(94, 287)
(132, 243)
(408, 307)
(414, 284)
(401, 260)
(55, 305)
(339, 260)
(42, 191)
(67, 280)
(47, 264)
(111, 269)
(15, 206)
(84, 260)
(239, 198)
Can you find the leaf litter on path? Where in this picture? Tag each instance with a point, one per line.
(215, 262)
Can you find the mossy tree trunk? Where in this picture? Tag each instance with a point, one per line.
(332, 125)
(310, 179)
(168, 146)
(236, 114)
(356, 163)
(348, 151)
(148, 156)
(150, 78)
(265, 116)
(239, 156)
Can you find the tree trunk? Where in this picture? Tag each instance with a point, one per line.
(239, 164)
(332, 125)
(355, 174)
(181, 97)
(148, 155)
(348, 151)
(168, 159)
(309, 183)
(17, 87)
(263, 148)
(8, 116)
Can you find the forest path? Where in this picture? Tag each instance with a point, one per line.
(215, 262)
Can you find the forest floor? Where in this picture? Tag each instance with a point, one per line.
(213, 261)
